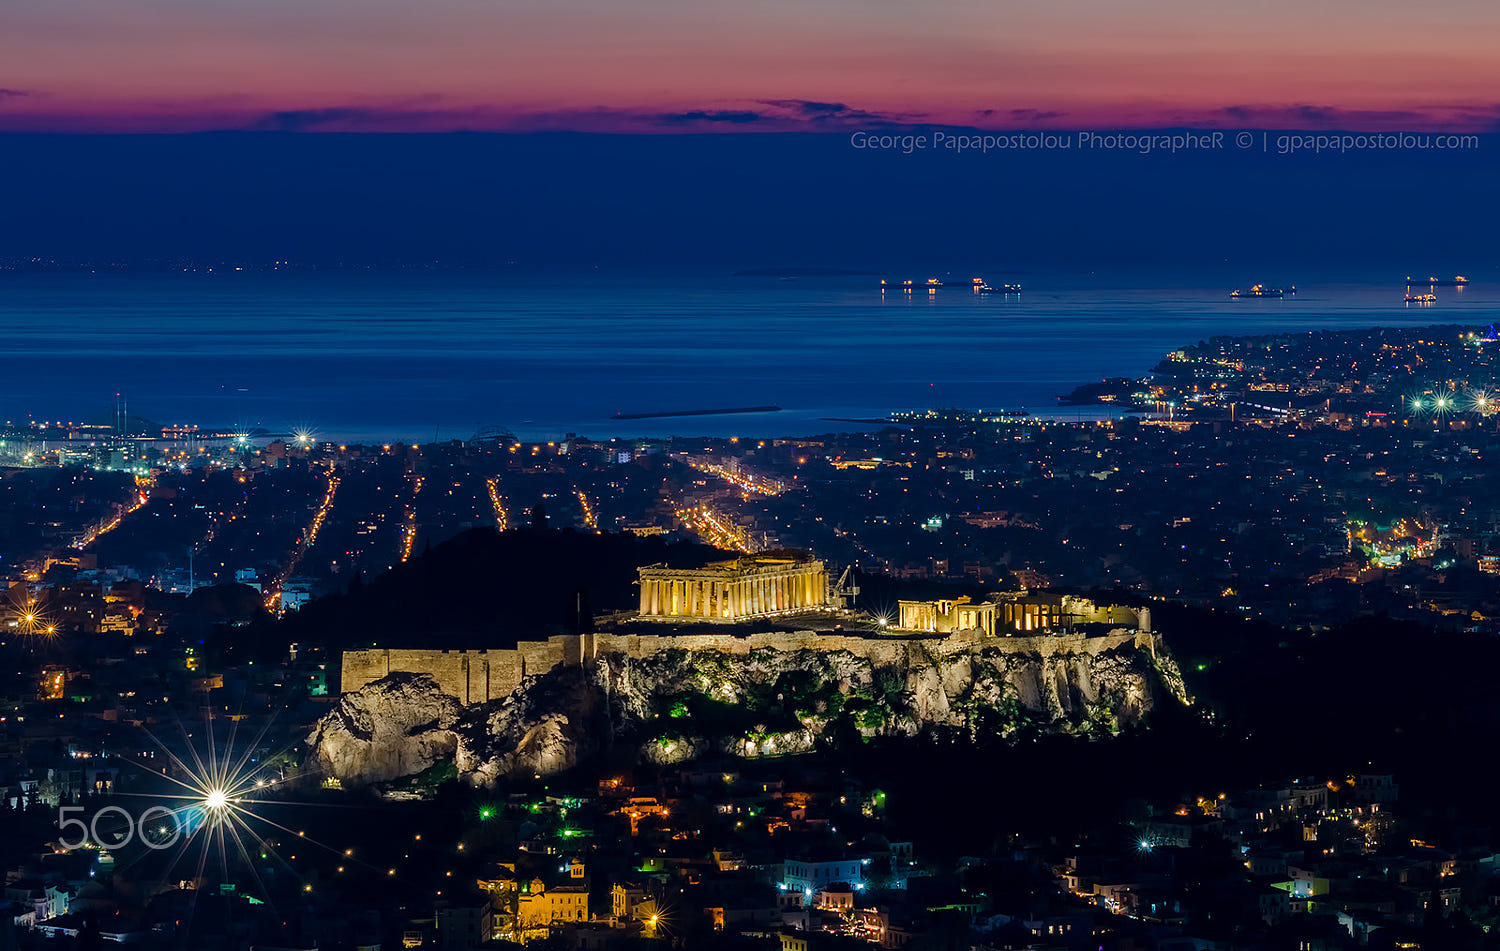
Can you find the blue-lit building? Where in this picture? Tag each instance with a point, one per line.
(810, 877)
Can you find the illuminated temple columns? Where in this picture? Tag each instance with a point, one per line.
(750, 586)
(946, 616)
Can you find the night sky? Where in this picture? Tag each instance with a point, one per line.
(664, 134)
(663, 204)
(603, 65)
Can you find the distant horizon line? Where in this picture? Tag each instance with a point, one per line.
(751, 274)
(1486, 128)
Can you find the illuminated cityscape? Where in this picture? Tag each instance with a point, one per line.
(1327, 487)
(588, 476)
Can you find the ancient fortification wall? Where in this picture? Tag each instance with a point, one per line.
(477, 676)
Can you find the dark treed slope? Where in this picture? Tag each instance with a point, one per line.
(488, 589)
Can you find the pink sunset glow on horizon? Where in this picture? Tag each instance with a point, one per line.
(669, 66)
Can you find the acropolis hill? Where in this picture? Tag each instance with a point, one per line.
(480, 676)
(782, 676)
(785, 586)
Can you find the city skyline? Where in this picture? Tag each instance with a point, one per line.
(525, 475)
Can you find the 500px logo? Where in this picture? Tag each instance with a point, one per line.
(112, 827)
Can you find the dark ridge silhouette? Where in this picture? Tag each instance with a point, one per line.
(488, 589)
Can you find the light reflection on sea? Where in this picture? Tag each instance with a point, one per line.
(410, 355)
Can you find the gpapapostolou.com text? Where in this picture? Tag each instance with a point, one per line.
(1147, 143)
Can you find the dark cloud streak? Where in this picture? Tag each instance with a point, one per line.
(733, 117)
(432, 114)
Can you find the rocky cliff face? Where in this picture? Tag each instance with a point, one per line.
(395, 727)
(675, 705)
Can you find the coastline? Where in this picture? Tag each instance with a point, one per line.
(417, 356)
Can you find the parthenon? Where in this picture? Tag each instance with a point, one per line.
(751, 586)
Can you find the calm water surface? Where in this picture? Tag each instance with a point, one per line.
(410, 355)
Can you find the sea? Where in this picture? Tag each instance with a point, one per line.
(421, 355)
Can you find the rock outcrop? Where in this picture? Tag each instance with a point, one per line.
(399, 726)
(675, 705)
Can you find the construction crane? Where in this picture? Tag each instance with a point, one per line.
(843, 589)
